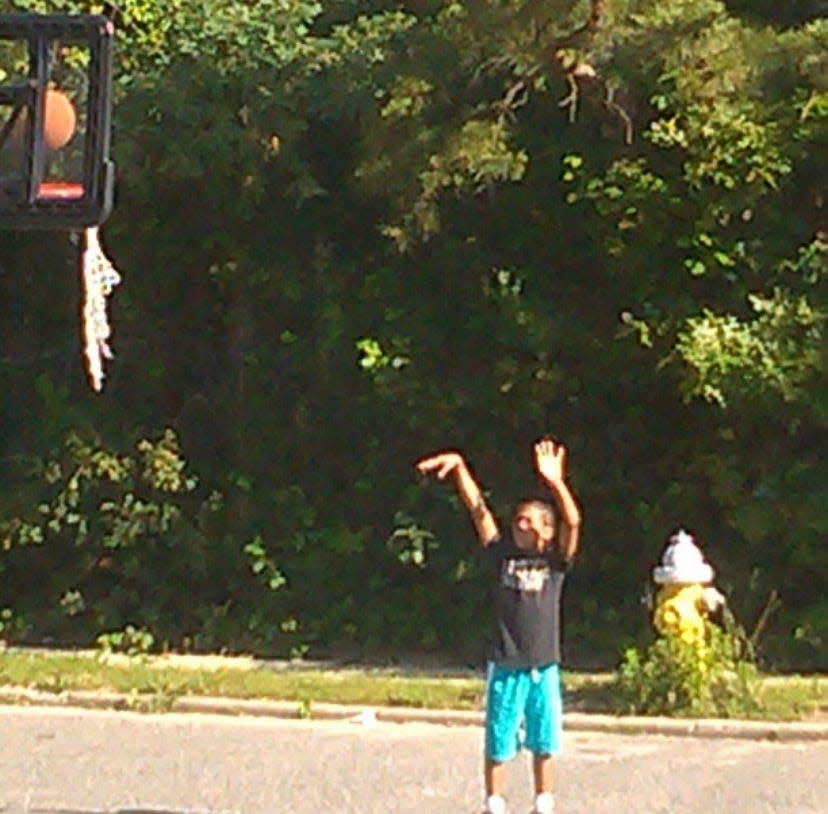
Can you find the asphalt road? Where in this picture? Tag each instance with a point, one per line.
(64, 761)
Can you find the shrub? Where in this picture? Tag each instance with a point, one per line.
(717, 677)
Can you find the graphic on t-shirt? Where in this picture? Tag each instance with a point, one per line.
(527, 575)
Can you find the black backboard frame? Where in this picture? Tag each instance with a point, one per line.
(29, 208)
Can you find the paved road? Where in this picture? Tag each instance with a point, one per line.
(77, 762)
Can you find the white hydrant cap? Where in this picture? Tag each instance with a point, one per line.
(682, 562)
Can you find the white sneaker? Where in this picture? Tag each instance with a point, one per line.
(544, 804)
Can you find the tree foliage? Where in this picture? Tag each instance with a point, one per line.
(352, 233)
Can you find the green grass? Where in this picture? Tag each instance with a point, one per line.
(159, 680)
(795, 697)
(59, 671)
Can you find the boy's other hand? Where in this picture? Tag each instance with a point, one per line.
(441, 464)
(550, 459)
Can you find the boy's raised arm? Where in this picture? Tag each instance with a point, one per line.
(550, 460)
(444, 464)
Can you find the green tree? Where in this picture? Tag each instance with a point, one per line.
(354, 232)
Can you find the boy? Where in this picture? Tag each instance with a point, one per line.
(523, 685)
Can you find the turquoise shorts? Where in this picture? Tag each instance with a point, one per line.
(523, 708)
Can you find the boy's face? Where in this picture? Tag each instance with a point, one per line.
(533, 527)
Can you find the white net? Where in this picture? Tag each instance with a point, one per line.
(99, 278)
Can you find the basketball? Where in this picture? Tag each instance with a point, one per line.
(59, 122)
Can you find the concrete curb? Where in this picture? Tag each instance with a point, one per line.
(780, 731)
(698, 727)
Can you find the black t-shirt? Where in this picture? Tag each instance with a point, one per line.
(528, 597)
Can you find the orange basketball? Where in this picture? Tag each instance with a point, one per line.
(59, 122)
(61, 119)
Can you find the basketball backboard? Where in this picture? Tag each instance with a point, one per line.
(55, 114)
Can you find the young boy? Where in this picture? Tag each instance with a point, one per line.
(523, 685)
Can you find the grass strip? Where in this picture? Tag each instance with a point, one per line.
(782, 697)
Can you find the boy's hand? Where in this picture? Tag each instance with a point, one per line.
(440, 465)
(550, 459)
(452, 463)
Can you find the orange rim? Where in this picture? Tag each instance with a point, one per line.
(60, 191)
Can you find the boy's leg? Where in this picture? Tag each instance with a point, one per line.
(543, 770)
(494, 776)
(544, 729)
(505, 700)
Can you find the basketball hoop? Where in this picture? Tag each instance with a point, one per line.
(55, 169)
(99, 277)
(55, 120)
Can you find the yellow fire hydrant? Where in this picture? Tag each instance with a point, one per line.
(685, 597)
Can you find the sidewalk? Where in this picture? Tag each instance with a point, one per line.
(366, 716)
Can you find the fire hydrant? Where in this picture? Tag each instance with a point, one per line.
(685, 598)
